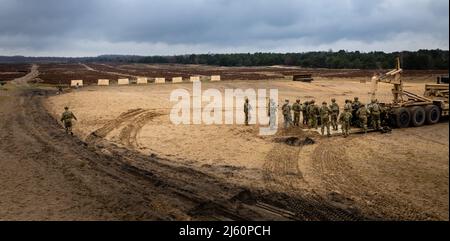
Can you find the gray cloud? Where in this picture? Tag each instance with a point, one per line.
(92, 27)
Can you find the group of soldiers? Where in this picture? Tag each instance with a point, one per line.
(329, 116)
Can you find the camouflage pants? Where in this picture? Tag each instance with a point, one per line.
(363, 123)
(296, 118)
(376, 121)
(346, 128)
(334, 121)
(287, 121)
(305, 118)
(325, 123)
(68, 126)
(313, 122)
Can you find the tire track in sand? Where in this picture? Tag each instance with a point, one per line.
(129, 134)
(342, 182)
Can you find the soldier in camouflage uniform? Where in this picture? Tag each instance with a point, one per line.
(286, 108)
(308, 113)
(355, 107)
(325, 118)
(297, 108)
(273, 108)
(345, 119)
(66, 119)
(375, 112)
(348, 105)
(334, 107)
(362, 114)
(305, 112)
(246, 109)
(356, 103)
(313, 114)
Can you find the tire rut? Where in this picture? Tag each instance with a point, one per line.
(281, 168)
(129, 133)
(342, 182)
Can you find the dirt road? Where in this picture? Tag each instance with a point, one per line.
(108, 72)
(31, 75)
(48, 175)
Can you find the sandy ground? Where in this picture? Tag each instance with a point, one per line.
(208, 144)
(402, 175)
(49, 175)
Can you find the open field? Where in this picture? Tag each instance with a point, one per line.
(53, 73)
(9, 72)
(403, 175)
(64, 73)
(127, 161)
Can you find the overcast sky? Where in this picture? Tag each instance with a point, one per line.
(166, 27)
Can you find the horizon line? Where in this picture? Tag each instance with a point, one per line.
(187, 54)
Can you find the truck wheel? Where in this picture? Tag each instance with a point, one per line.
(433, 114)
(418, 116)
(402, 117)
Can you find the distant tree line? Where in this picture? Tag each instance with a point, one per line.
(422, 59)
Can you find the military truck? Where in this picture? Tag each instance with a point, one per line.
(409, 109)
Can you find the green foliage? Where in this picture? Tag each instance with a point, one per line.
(422, 59)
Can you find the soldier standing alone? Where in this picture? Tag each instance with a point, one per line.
(325, 118)
(297, 108)
(246, 109)
(66, 119)
(345, 120)
(273, 108)
(334, 107)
